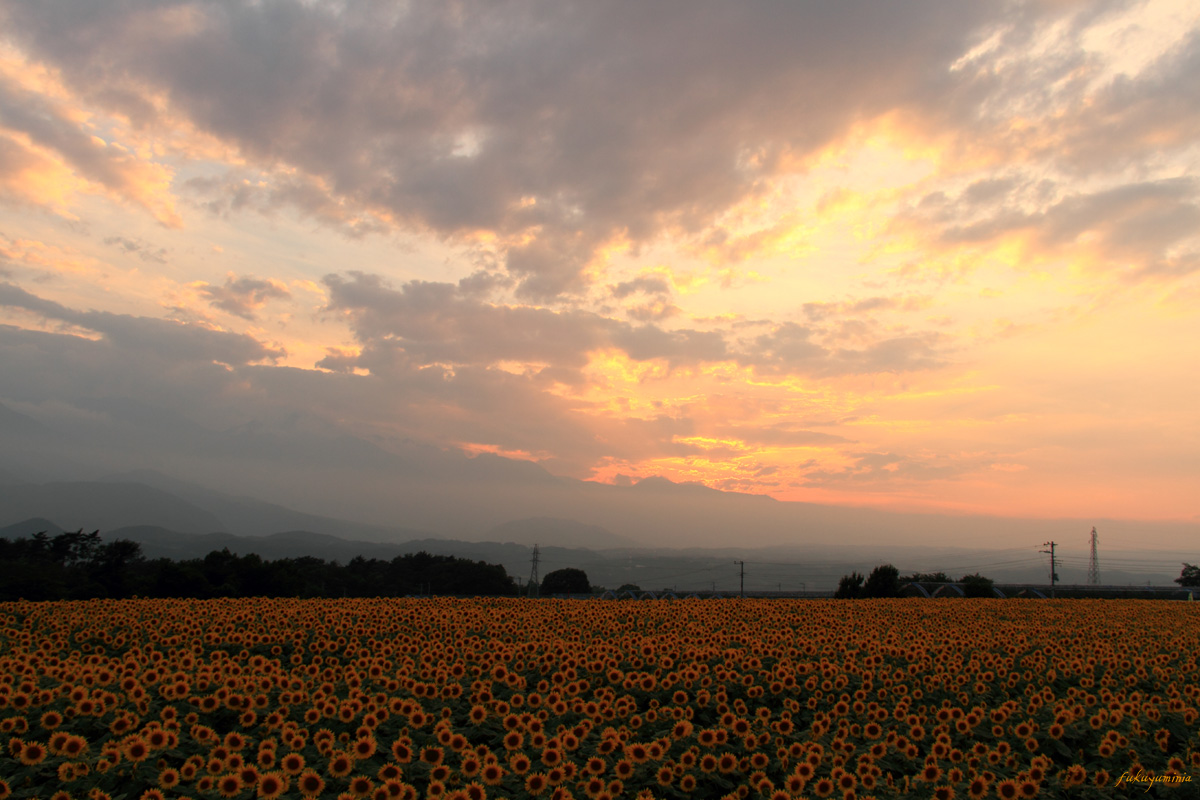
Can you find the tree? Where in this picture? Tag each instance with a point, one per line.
(566, 581)
(926, 577)
(1190, 575)
(977, 586)
(115, 564)
(884, 581)
(849, 586)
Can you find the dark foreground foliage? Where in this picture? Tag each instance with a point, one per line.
(78, 566)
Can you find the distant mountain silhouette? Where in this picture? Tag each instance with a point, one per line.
(248, 516)
(159, 542)
(28, 527)
(552, 531)
(94, 505)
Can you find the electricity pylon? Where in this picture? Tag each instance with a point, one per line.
(534, 584)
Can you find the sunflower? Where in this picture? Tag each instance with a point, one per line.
(1007, 789)
(292, 764)
(272, 785)
(168, 778)
(593, 787)
(340, 765)
(492, 774)
(536, 783)
(32, 753)
(361, 785)
(310, 784)
(229, 785)
(364, 748)
(402, 751)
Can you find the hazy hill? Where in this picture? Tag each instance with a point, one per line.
(556, 532)
(162, 543)
(28, 527)
(103, 506)
(248, 516)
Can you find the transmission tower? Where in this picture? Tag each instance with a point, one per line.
(534, 584)
(1094, 565)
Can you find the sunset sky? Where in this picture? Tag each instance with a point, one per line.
(918, 256)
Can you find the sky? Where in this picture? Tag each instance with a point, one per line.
(923, 256)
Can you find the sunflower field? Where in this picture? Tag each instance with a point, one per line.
(466, 699)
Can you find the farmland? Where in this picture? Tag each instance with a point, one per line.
(493, 698)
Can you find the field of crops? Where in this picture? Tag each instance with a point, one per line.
(454, 699)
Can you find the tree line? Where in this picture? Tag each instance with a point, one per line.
(886, 581)
(80, 566)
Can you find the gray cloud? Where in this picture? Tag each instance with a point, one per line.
(1136, 223)
(175, 341)
(651, 286)
(1132, 118)
(818, 312)
(885, 470)
(438, 323)
(426, 323)
(534, 117)
(243, 296)
(143, 250)
(790, 348)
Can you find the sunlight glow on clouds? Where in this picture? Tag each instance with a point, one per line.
(925, 255)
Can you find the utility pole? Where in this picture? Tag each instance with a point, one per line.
(1094, 564)
(1053, 572)
(533, 574)
(742, 564)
